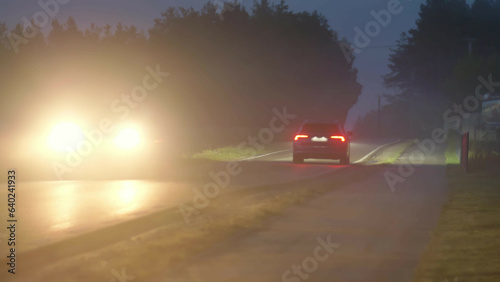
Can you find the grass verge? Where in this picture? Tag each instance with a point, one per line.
(466, 244)
(392, 153)
(237, 153)
(453, 148)
(229, 153)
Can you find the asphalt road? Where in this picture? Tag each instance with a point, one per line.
(50, 211)
(362, 232)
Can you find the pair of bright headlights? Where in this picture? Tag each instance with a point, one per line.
(67, 136)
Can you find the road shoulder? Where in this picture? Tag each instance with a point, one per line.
(466, 244)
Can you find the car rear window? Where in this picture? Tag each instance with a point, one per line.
(321, 127)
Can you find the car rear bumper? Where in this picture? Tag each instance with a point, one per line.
(320, 152)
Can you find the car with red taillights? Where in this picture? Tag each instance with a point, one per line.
(321, 140)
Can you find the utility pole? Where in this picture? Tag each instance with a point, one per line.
(470, 45)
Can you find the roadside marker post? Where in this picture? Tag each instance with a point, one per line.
(464, 156)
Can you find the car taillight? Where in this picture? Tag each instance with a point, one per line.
(298, 136)
(341, 138)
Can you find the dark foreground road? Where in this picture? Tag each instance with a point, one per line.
(361, 232)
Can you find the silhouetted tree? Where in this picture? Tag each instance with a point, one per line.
(249, 63)
(431, 67)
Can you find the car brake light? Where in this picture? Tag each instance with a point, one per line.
(341, 138)
(298, 136)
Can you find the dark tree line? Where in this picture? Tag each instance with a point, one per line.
(229, 71)
(433, 67)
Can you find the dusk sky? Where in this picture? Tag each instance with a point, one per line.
(343, 17)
